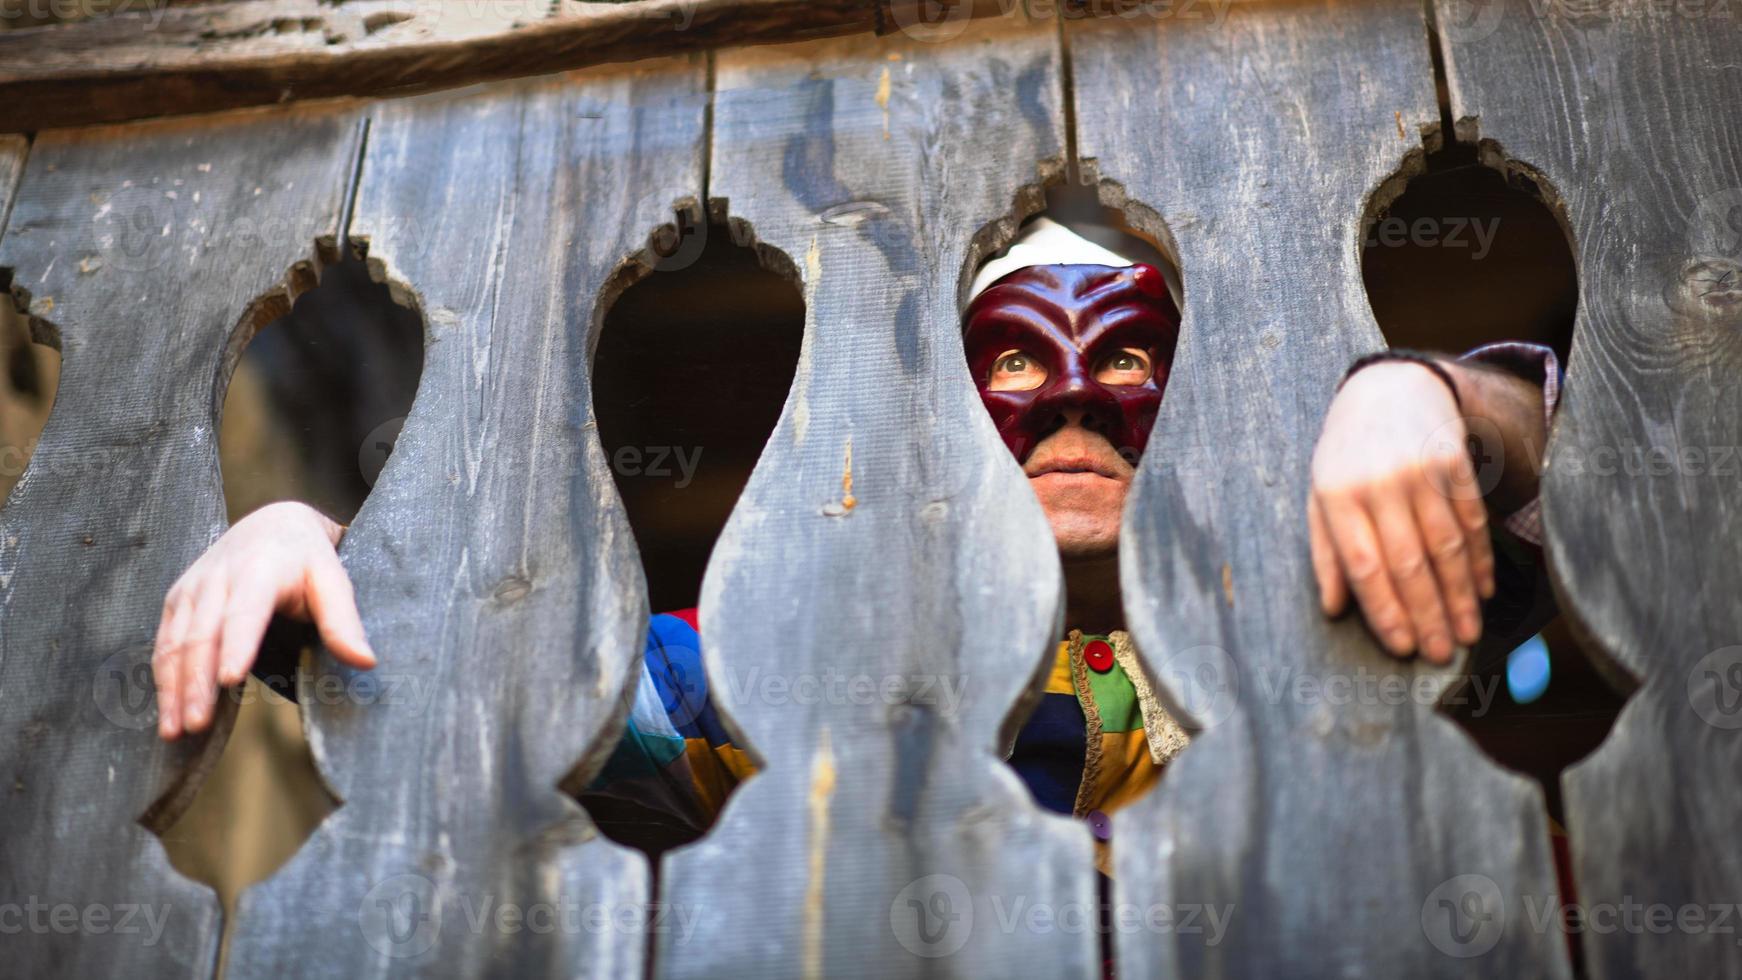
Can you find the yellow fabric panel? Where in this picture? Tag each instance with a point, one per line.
(716, 771)
(1127, 770)
(1059, 681)
(736, 761)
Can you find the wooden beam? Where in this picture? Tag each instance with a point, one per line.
(494, 567)
(157, 58)
(1642, 510)
(886, 534)
(146, 252)
(1322, 766)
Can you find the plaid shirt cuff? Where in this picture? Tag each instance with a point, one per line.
(1537, 363)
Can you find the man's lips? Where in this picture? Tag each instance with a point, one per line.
(1077, 464)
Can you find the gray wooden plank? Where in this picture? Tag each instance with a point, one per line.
(882, 836)
(140, 247)
(495, 571)
(1628, 111)
(1327, 810)
(13, 150)
(159, 57)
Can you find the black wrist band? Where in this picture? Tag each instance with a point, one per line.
(1409, 357)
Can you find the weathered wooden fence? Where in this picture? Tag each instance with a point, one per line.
(886, 532)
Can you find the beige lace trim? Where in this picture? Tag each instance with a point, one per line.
(1091, 726)
(1165, 736)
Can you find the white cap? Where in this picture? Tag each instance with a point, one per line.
(1044, 241)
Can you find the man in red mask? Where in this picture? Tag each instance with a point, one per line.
(1071, 347)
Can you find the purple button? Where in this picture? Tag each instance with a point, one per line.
(1100, 824)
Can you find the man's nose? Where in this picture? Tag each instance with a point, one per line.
(1078, 417)
(1076, 401)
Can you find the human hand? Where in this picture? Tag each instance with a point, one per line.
(1395, 514)
(281, 558)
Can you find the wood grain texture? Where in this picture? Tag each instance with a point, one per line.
(887, 588)
(1628, 112)
(140, 247)
(13, 152)
(495, 570)
(1327, 811)
(163, 59)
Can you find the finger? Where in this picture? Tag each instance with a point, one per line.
(1363, 565)
(333, 605)
(165, 664)
(246, 616)
(1473, 518)
(1448, 549)
(1412, 575)
(199, 654)
(1333, 591)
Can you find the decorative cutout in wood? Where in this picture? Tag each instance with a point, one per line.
(1319, 823)
(495, 571)
(887, 547)
(1631, 109)
(141, 246)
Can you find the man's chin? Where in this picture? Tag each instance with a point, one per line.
(1086, 548)
(1084, 537)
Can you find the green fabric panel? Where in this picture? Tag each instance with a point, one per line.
(1114, 696)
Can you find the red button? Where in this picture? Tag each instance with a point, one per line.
(1098, 654)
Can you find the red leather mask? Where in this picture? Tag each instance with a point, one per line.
(1071, 318)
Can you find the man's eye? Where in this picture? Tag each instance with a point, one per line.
(1016, 371)
(1129, 367)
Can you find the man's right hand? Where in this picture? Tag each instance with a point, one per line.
(282, 558)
